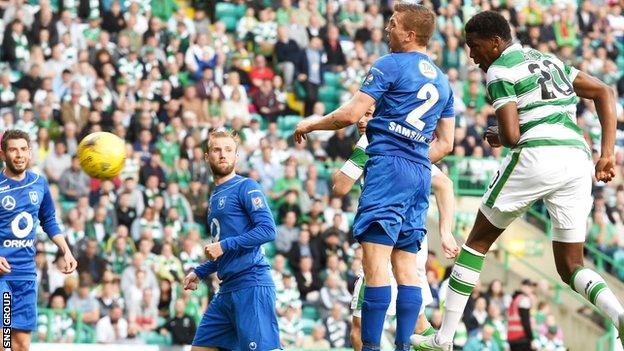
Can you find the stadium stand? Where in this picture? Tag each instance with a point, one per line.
(163, 73)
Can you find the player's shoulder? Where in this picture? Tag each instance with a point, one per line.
(248, 185)
(35, 178)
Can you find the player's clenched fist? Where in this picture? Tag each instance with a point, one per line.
(302, 129)
(605, 168)
(69, 263)
(4, 265)
(213, 251)
(492, 137)
(190, 281)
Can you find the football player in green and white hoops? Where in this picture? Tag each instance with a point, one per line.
(535, 96)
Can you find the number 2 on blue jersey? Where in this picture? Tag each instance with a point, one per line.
(431, 94)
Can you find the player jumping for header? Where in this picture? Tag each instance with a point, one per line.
(242, 314)
(535, 97)
(26, 203)
(410, 94)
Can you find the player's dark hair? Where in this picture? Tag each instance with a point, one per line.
(13, 134)
(489, 24)
(417, 18)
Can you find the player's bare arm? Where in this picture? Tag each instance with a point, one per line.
(70, 263)
(4, 265)
(443, 191)
(508, 126)
(342, 183)
(589, 87)
(344, 116)
(442, 145)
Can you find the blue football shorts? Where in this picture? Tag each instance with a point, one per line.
(23, 299)
(394, 203)
(240, 320)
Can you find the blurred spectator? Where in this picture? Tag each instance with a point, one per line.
(338, 328)
(90, 262)
(83, 303)
(74, 182)
(181, 327)
(482, 341)
(317, 339)
(112, 328)
(291, 330)
(334, 292)
(308, 281)
(57, 326)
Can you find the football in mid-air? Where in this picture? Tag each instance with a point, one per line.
(102, 155)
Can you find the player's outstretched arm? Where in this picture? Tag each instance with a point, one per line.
(344, 116)
(443, 191)
(442, 145)
(589, 87)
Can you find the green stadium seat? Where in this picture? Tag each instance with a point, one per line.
(240, 10)
(224, 9)
(310, 312)
(230, 22)
(307, 325)
(328, 94)
(332, 79)
(155, 338)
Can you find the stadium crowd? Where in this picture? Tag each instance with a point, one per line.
(162, 74)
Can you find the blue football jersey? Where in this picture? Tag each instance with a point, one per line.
(24, 205)
(411, 94)
(239, 217)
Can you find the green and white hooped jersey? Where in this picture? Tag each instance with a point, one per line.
(354, 166)
(541, 86)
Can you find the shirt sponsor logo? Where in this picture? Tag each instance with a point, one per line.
(8, 202)
(427, 69)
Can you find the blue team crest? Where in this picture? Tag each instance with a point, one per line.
(369, 78)
(34, 198)
(221, 204)
(257, 202)
(427, 69)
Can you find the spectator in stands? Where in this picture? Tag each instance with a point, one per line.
(56, 162)
(57, 326)
(291, 330)
(317, 339)
(90, 262)
(83, 303)
(287, 233)
(112, 328)
(308, 281)
(311, 68)
(181, 327)
(519, 331)
(482, 341)
(334, 292)
(338, 327)
(74, 182)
